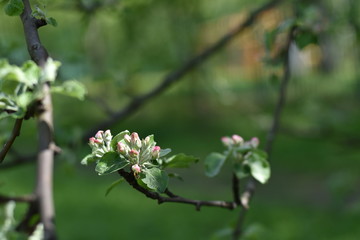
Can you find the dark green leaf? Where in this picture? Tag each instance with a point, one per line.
(14, 7)
(175, 175)
(213, 164)
(241, 170)
(156, 179)
(179, 161)
(113, 185)
(51, 21)
(109, 163)
(305, 38)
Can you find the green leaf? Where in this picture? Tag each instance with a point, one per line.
(117, 139)
(164, 152)
(14, 7)
(179, 161)
(175, 175)
(304, 38)
(156, 179)
(71, 88)
(32, 73)
(88, 159)
(259, 166)
(213, 164)
(51, 21)
(113, 185)
(110, 162)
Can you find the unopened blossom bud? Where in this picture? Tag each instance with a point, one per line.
(121, 148)
(227, 141)
(136, 168)
(237, 139)
(127, 138)
(156, 152)
(92, 142)
(99, 134)
(135, 139)
(254, 142)
(133, 153)
(107, 136)
(146, 140)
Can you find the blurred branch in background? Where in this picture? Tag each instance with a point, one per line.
(251, 184)
(172, 77)
(25, 198)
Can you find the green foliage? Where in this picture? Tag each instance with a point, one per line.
(179, 161)
(155, 179)
(40, 14)
(113, 185)
(213, 164)
(71, 88)
(246, 159)
(14, 7)
(20, 87)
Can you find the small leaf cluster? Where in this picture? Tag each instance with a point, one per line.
(16, 7)
(142, 157)
(246, 158)
(20, 87)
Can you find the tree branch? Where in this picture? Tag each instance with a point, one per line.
(43, 191)
(172, 77)
(15, 133)
(129, 177)
(26, 198)
(251, 185)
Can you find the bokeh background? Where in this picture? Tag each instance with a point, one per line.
(121, 49)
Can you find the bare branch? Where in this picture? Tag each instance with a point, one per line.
(44, 203)
(250, 187)
(15, 133)
(129, 177)
(172, 77)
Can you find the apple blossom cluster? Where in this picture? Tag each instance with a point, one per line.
(139, 153)
(237, 141)
(100, 144)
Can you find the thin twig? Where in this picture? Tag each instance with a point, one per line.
(129, 177)
(44, 199)
(250, 187)
(25, 199)
(172, 77)
(236, 189)
(15, 133)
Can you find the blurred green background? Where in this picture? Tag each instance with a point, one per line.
(121, 49)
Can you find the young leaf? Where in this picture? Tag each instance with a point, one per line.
(117, 138)
(213, 164)
(110, 162)
(259, 166)
(156, 179)
(88, 159)
(179, 161)
(51, 21)
(113, 185)
(71, 88)
(164, 152)
(50, 70)
(14, 7)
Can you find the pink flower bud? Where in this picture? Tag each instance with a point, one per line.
(135, 139)
(136, 168)
(254, 142)
(156, 152)
(93, 141)
(133, 153)
(227, 141)
(127, 138)
(99, 134)
(121, 148)
(237, 139)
